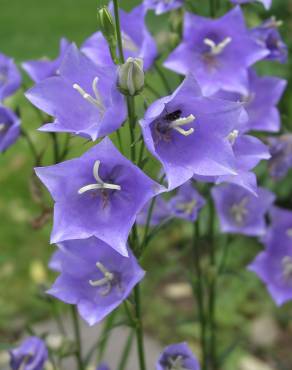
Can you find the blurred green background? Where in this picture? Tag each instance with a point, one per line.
(31, 29)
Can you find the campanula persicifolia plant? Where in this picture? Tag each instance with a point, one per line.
(162, 151)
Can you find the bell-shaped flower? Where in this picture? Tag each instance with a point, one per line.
(9, 128)
(266, 3)
(241, 212)
(10, 78)
(98, 194)
(160, 212)
(268, 36)
(274, 265)
(83, 98)
(281, 152)
(177, 357)
(217, 51)
(43, 68)
(187, 133)
(94, 277)
(187, 203)
(163, 6)
(30, 355)
(280, 228)
(137, 40)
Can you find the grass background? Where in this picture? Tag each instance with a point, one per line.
(31, 29)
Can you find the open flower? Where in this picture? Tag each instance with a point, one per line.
(94, 277)
(267, 3)
(83, 98)
(177, 357)
(98, 194)
(187, 203)
(137, 41)
(187, 133)
(30, 355)
(241, 212)
(280, 228)
(40, 69)
(10, 78)
(217, 51)
(9, 128)
(102, 367)
(160, 212)
(264, 93)
(268, 36)
(281, 152)
(163, 6)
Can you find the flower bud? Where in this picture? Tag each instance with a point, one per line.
(107, 26)
(131, 77)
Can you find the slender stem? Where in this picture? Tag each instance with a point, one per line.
(152, 90)
(163, 78)
(118, 31)
(199, 291)
(126, 352)
(104, 335)
(213, 6)
(77, 335)
(31, 145)
(139, 328)
(132, 123)
(55, 147)
(118, 133)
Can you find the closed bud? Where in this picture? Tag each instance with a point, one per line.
(131, 77)
(106, 25)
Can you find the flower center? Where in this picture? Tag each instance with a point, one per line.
(3, 128)
(287, 268)
(216, 49)
(233, 136)
(100, 184)
(239, 212)
(107, 281)
(96, 100)
(128, 43)
(175, 363)
(273, 23)
(187, 207)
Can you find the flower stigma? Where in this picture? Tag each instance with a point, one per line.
(107, 281)
(96, 100)
(233, 136)
(216, 49)
(100, 184)
(176, 363)
(177, 123)
(239, 212)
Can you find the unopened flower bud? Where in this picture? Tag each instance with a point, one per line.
(107, 26)
(131, 76)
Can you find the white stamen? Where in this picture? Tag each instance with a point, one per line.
(176, 363)
(274, 22)
(105, 281)
(233, 136)
(183, 121)
(287, 267)
(128, 43)
(187, 207)
(239, 211)
(2, 127)
(100, 184)
(97, 100)
(217, 49)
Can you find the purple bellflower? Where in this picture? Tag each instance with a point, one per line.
(188, 133)
(281, 152)
(38, 70)
(55, 261)
(268, 36)
(30, 355)
(177, 357)
(9, 128)
(10, 78)
(218, 52)
(83, 98)
(264, 93)
(160, 213)
(137, 41)
(98, 194)
(187, 203)
(163, 6)
(94, 277)
(241, 212)
(266, 3)
(274, 268)
(280, 229)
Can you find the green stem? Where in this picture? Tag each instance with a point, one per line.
(199, 293)
(118, 31)
(139, 328)
(105, 336)
(163, 78)
(31, 145)
(212, 4)
(132, 123)
(77, 335)
(126, 352)
(56, 150)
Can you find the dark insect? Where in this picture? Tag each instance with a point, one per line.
(173, 116)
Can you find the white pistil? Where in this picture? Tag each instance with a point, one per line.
(239, 211)
(100, 184)
(106, 281)
(217, 49)
(96, 100)
(128, 43)
(176, 363)
(176, 124)
(274, 23)
(2, 127)
(287, 267)
(233, 136)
